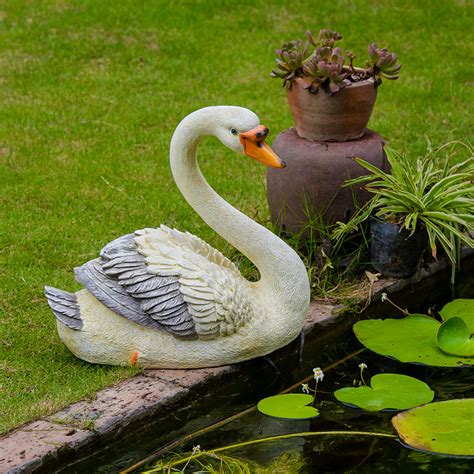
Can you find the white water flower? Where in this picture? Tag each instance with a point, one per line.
(384, 297)
(318, 374)
(305, 388)
(362, 367)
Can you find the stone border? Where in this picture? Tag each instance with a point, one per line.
(85, 426)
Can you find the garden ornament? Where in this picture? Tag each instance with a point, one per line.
(165, 299)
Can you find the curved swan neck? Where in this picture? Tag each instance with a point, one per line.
(273, 258)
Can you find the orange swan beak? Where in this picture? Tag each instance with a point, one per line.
(255, 146)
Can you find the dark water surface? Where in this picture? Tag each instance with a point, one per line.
(310, 454)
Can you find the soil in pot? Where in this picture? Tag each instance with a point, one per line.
(393, 252)
(337, 117)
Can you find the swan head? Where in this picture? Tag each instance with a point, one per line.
(240, 130)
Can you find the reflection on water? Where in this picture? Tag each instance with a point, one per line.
(344, 453)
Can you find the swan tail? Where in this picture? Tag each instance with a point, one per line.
(65, 307)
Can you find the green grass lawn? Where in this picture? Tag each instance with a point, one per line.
(90, 93)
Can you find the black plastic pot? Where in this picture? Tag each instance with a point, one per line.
(394, 253)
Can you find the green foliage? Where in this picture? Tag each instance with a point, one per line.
(410, 339)
(283, 464)
(463, 308)
(325, 68)
(432, 193)
(387, 391)
(336, 274)
(200, 461)
(442, 427)
(290, 406)
(454, 337)
(212, 463)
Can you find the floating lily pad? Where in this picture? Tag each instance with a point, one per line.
(442, 427)
(394, 391)
(455, 338)
(462, 308)
(291, 406)
(410, 339)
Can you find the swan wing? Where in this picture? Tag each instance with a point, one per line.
(173, 237)
(218, 298)
(120, 280)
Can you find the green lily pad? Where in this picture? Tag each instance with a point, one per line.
(394, 391)
(462, 308)
(410, 339)
(442, 427)
(291, 406)
(455, 338)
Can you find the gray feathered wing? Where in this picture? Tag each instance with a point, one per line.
(119, 279)
(168, 280)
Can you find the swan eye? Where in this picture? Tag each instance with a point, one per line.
(233, 131)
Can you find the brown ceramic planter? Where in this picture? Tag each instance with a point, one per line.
(312, 182)
(339, 117)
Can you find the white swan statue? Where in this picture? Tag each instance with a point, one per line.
(166, 299)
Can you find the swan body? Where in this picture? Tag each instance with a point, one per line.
(167, 299)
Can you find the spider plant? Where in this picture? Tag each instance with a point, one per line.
(431, 194)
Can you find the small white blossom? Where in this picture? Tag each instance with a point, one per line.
(305, 388)
(384, 297)
(196, 449)
(318, 374)
(362, 366)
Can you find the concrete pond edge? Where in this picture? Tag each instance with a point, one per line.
(86, 426)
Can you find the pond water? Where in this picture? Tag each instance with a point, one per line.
(305, 454)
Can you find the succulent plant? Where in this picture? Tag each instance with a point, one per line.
(290, 59)
(382, 63)
(325, 38)
(325, 68)
(350, 56)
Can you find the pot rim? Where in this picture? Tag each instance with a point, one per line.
(376, 220)
(353, 85)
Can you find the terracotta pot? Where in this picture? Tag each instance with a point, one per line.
(312, 182)
(338, 117)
